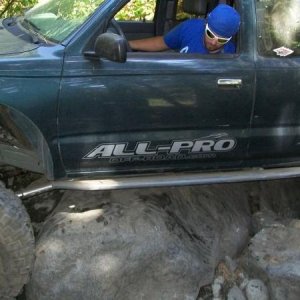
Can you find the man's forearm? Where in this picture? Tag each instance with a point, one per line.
(152, 44)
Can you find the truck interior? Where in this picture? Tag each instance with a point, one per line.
(166, 15)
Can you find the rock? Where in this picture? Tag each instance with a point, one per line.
(235, 294)
(267, 218)
(256, 290)
(244, 282)
(280, 196)
(217, 286)
(138, 244)
(294, 223)
(273, 256)
(230, 263)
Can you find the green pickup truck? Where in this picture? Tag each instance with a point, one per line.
(77, 105)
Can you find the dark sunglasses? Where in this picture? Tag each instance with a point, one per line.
(211, 36)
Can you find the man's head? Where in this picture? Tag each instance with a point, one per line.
(222, 23)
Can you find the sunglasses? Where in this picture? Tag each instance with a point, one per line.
(211, 36)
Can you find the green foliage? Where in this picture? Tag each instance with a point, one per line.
(181, 15)
(77, 9)
(83, 8)
(14, 7)
(73, 8)
(137, 10)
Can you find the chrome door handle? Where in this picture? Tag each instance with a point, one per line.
(229, 82)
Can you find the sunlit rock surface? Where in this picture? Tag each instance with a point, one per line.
(273, 256)
(138, 244)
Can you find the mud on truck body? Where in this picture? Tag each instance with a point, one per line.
(77, 105)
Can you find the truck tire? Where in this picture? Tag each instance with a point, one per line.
(16, 245)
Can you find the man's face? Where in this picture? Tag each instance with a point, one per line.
(212, 41)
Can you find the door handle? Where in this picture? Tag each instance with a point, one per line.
(229, 82)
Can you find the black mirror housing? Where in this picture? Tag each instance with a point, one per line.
(112, 47)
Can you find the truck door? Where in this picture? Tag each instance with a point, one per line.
(275, 135)
(157, 111)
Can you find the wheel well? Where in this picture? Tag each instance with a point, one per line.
(22, 144)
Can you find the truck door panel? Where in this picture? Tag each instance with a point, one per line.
(276, 120)
(154, 98)
(157, 111)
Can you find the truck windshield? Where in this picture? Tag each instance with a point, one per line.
(56, 19)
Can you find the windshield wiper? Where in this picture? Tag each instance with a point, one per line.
(34, 31)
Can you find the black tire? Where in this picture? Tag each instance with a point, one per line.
(16, 245)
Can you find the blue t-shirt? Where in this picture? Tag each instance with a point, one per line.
(188, 37)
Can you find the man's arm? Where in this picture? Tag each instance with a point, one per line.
(152, 44)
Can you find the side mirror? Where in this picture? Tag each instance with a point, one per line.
(110, 46)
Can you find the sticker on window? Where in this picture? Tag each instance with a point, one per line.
(283, 51)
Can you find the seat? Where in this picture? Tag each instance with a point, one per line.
(194, 8)
(197, 8)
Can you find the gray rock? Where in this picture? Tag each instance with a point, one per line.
(230, 263)
(267, 218)
(280, 196)
(138, 244)
(273, 256)
(256, 290)
(217, 287)
(295, 223)
(235, 294)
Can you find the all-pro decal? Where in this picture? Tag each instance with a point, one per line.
(176, 150)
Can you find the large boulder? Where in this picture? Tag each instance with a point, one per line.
(138, 244)
(273, 256)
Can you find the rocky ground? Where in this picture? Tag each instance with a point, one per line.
(230, 241)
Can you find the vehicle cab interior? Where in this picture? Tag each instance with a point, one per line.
(164, 17)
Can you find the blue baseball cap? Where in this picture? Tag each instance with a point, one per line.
(224, 21)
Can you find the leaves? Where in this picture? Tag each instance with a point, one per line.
(137, 10)
(14, 7)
